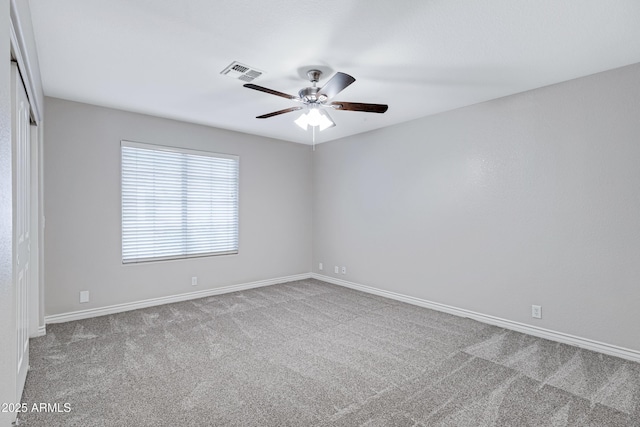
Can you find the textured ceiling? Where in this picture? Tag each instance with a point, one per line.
(164, 57)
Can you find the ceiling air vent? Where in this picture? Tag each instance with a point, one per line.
(241, 72)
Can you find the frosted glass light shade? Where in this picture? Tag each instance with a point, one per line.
(315, 117)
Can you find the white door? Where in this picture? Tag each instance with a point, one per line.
(20, 134)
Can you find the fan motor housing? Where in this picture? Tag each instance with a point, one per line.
(310, 95)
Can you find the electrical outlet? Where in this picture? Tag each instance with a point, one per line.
(84, 296)
(336, 269)
(320, 266)
(194, 281)
(536, 312)
(344, 270)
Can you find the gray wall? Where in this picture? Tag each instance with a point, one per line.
(82, 208)
(7, 313)
(528, 199)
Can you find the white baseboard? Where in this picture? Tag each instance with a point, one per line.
(585, 343)
(40, 332)
(562, 337)
(118, 308)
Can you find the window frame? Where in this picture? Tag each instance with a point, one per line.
(180, 150)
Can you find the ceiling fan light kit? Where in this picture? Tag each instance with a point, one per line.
(315, 117)
(316, 99)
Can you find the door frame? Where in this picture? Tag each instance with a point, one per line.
(22, 49)
(29, 72)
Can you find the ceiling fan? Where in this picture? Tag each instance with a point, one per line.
(316, 100)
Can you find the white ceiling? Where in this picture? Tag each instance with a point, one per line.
(421, 57)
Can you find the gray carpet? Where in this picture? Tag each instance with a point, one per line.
(309, 353)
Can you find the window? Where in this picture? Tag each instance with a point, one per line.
(177, 203)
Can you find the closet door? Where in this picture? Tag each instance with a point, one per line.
(20, 134)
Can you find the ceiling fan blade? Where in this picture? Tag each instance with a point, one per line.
(276, 113)
(271, 91)
(358, 106)
(335, 85)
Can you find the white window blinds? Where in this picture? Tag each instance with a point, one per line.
(177, 203)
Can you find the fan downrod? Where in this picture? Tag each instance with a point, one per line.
(309, 95)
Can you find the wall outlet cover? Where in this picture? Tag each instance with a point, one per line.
(84, 296)
(536, 312)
